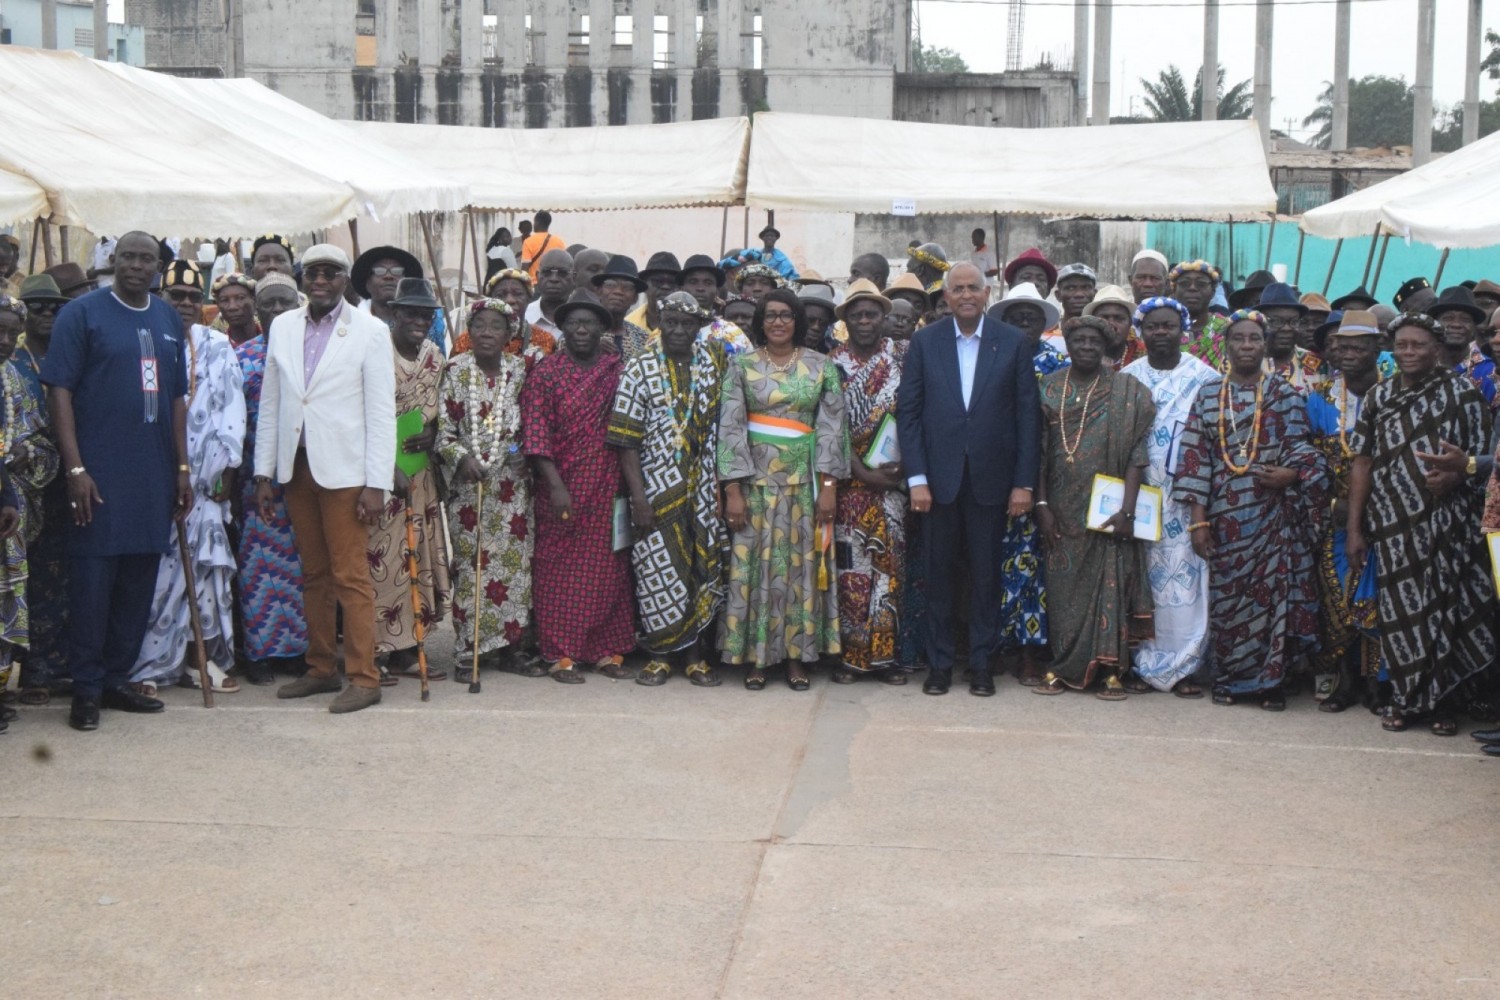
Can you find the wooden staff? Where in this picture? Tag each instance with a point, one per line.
(416, 599)
(478, 583)
(192, 598)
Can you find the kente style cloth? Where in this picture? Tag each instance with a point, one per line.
(215, 444)
(668, 413)
(470, 400)
(1023, 599)
(1208, 346)
(869, 528)
(1098, 598)
(31, 463)
(270, 569)
(390, 569)
(779, 431)
(1349, 607)
(1264, 605)
(1302, 370)
(1481, 371)
(580, 586)
(1435, 598)
(1179, 578)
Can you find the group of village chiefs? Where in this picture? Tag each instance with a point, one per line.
(304, 465)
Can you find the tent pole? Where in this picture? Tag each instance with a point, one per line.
(1297, 272)
(36, 241)
(1380, 264)
(1270, 242)
(1228, 273)
(1442, 263)
(463, 254)
(1327, 282)
(474, 239)
(746, 244)
(724, 234)
(437, 277)
(354, 236)
(62, 232)
(47, 243)
(1370, 258)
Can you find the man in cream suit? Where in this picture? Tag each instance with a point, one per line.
(327, 431)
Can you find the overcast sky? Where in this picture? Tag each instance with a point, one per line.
(1149, 38)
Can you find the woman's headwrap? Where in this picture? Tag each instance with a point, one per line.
(1161, 302)
(758, 271)
(243, 280)
(930, 254)
(280, 241)
(1201, 266)
(1253, 315)
(477, 306)
(683, 302)
(11, 304)
(507, 273)
(182, 272)
(1416, 319)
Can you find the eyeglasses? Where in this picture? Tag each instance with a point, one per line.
(555, 272)
(184, 295)
(1283, 324)
(41, 308)
(322, 272)
(380, 271)
(780, 317)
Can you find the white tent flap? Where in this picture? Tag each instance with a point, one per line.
(1461, 213)
(582, 169)
(1192, 170)
(21, 200)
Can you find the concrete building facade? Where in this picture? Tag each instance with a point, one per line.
(543, 63)
(67, 24)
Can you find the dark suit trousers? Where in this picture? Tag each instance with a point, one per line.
(968, 533)
(109, 611)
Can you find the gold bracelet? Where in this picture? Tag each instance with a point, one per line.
(1200, 524)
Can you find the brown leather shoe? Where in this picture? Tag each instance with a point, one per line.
(309, 684)
(353, 698)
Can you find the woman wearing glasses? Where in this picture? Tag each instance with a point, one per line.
(782, 448)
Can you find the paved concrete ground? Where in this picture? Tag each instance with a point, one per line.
(611, 840)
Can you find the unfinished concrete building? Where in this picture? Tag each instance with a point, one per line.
(541, 63)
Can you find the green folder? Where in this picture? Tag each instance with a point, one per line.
(407, 425)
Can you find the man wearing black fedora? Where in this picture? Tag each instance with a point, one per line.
(704, 280)
(1462, 319)
(1360, 298)
(1248, 295)
(617, 287)
(376, 275)
(663, 276)
(766, 254)
(1283, 310)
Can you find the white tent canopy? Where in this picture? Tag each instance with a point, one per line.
(113, 156)
(20, 199)
(1461, 213)
(1192, 170)
(1359, 213)
(385, 181)
(582, 169)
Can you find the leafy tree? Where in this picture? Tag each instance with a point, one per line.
(931, 59)
(1380, 113)
(1167, 98)
(1449, 135)
(1491, 64)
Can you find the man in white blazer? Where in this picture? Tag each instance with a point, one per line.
(327, 432)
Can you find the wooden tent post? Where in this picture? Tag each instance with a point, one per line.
(1328, 281)
(437, 277)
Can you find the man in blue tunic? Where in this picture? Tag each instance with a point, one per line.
(119, 382)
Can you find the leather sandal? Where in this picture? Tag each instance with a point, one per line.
(654, 674)
(1051, 684)
(565, 671)
(702, 675)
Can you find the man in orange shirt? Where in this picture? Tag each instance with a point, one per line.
(538, 243)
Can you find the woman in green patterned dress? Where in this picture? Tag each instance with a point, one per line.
(782, 448)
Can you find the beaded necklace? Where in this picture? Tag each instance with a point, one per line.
(1062, 414)
(12, 429)
(680, 417)
(1248, 450)
(1344, 409)
(486, 433)
(192, 367)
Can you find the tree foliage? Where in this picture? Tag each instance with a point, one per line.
(1168, 100)
(1491, 63)
(1380, 113)
(931, 59)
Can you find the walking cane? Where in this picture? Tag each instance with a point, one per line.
(416, 600)
(192, 599)
(478, 588)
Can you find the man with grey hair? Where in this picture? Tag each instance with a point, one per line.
(554, 283)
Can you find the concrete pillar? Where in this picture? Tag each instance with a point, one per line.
(1264, 22)
(1471, 73)
(638, 112)
(731, 57)
(1421, 130)
(514, 55)
(685, 55)
(601, 37)
(387, 49)
(1103, 18)
(1080, 62)
(430, 49)
(101, 30)
(1209, 80)
(557, 21)
(49, 24)
(471, 58)
(1340, 137)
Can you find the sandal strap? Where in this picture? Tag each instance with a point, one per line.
(658, 667)
(561, 666)
(694, 669)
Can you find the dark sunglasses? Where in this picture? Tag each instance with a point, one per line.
(184, 295)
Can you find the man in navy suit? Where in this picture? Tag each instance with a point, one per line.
(969, 421)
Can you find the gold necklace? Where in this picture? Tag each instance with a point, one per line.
(1248, 449)
(782, 369)
(1062, 414)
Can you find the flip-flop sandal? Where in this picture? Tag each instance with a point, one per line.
(1112, 690)
(1187, 689)
(148, 689)
(566, 672)
(842, 676)
(1030, 680)
(1135, 685)
(1394, 723)
(34, 697)
(702, 675)
(221, 682)
(1051, 684)
(415, 672)
(1444, 726)
(1222, 696)
(654, 674)
(895, 677)
(755, 680)
(614, 668)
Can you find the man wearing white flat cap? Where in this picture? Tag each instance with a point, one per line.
(327, 431)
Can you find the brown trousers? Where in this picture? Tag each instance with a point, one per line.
(332, 542)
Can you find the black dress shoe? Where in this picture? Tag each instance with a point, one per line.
(126, 700)
(1490, 749)
(85, 714)
(1486, 735)
(259, 673)
(938, 682)
(982, 683)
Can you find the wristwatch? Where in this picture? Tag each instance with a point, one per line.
(1473, 466)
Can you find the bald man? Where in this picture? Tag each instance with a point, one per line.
(554, 284)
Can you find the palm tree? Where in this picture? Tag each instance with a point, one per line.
(1168, 100)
